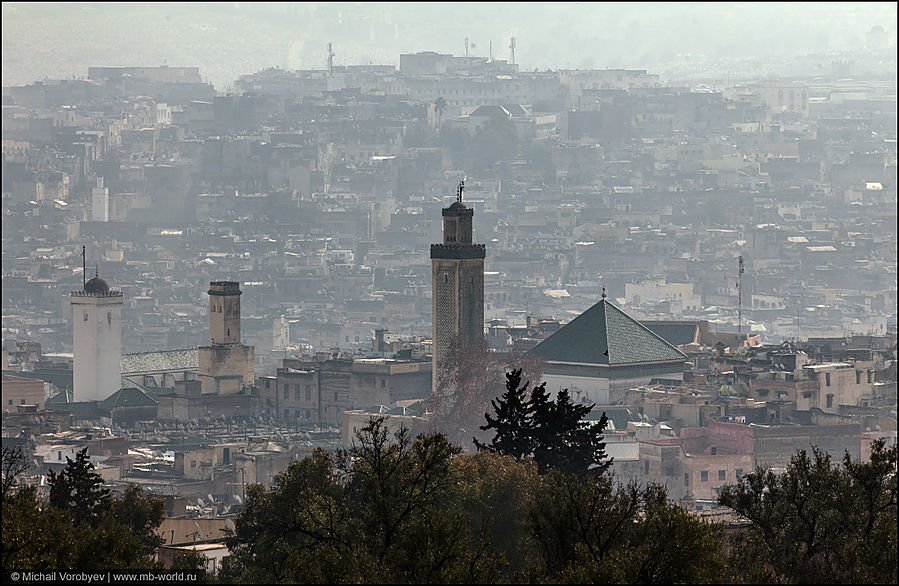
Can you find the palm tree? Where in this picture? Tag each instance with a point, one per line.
(440, 108)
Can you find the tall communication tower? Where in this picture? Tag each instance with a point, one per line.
(512, 49)
(740, 295)
(330, 60)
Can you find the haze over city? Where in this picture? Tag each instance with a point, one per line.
(449, 292)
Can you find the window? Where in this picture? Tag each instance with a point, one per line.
(807, 395)
(308, 392)
(109, 317)
(10, 401)
(722, 474)
(858, 377)
(308, 414)
(229, 332)
(383, 383)
(646, 467)
(827, 379)
(686, 479)
(296, 392)
(335, 397)
(59, 455)
(85, 316)
(286, 391)
(287, 414)
(739, 472)
(704, 476)
(296, 413)
(830, 400)
(21, 401)
(870, 376)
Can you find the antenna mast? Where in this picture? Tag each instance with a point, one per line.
(466, 47)
(740, 295)
(512, 49)
(83, 268)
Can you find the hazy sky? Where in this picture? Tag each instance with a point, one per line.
(228, 40)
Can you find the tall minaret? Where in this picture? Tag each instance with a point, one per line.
(97, 333)
(226, 366)
(457, 273)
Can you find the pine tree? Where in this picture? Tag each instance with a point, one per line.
(554, 433)
(564, 440)
(79, 490)
(513, 422)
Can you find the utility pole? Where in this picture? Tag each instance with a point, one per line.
(740, 295)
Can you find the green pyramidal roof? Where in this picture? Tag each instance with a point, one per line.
(606, 335)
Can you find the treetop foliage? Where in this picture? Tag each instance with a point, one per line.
(553, 433)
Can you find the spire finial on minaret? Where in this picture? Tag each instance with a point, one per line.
(97, 271)
(603, 292)
(459, 192)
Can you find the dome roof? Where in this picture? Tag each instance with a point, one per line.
(96, 285)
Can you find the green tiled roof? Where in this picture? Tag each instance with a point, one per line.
(129, 397)
(182, 359)
(675, 333)
(61, 377)
(84, 409)
(606, 335)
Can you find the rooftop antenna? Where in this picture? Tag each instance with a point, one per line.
(330, 60)
(83, 268)
(466, 47)
(740, 295)
(512, 49)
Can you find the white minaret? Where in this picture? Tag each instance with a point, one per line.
(100, 202)
(97, 329)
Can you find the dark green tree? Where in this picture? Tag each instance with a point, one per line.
(564, 440)
(141, 515)
(819, 521)
(512, 423)
(79, 490)
(553, 433)
(386, 510)
(439, 108)
(83, 527)
(592, 530)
